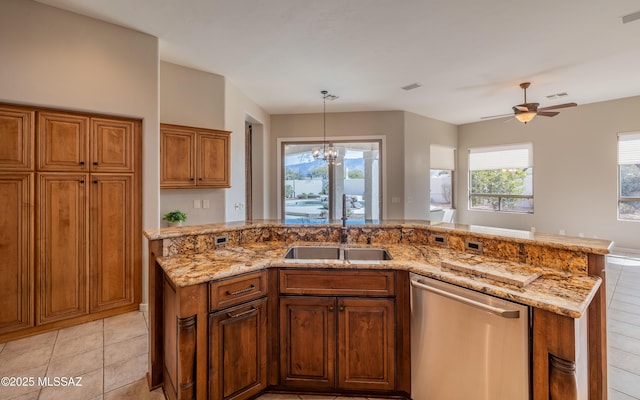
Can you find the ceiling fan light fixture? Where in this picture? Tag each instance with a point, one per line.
(525, 117)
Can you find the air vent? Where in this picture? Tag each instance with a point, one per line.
(631, 17)
(557, 95)
(412, 86)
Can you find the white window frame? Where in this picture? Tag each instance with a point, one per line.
(443, 158)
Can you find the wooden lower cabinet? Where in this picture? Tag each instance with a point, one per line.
(16, 252)
(351, 339)
(112, 255)
(366, 344)
(62, 273)
(238, 351)
(307, 342)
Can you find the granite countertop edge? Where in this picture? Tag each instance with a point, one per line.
(556, 291)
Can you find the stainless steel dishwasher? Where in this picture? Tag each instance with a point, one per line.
(466, 345)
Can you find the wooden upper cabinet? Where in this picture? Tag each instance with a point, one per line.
(63, 142)
(112, 145)
(177, 158)
(212, 159)
(194, 157)
(17, 130)
(16, 252)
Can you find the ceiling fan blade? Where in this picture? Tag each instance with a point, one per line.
(548, 113)
(522, 108)
(565, 105)
(497, 116)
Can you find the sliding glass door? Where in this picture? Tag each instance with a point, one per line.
(313, 189)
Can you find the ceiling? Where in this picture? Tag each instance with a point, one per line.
(468, 55)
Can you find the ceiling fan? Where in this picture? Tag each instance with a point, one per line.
(525, 112)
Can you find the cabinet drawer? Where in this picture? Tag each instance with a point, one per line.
(337, 282)
(237, 290)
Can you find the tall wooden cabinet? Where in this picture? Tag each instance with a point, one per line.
(81, 186)
(194, 157)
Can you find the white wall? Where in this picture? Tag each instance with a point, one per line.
(192, 98)
(55, 58)
(575, 170)
(238, 109)
(388, 124)
(419, 134)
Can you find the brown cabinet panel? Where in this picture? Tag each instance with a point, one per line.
(366, 344)
(112, 258)
(17, 127)
(307, 342)
(63, 252)
(16, 252)
(194, 157)
(238, 351)
(63, 142)
(213, 159)
(337, 282)
(113, 145)
(229, 292)
(177, 158)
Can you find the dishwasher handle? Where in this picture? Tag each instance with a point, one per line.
(486, 307)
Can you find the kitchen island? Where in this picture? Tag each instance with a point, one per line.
(192, 269)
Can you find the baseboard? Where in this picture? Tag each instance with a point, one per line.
(623, 251)
(144, 307)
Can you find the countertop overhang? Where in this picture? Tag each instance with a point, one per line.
(557, 291)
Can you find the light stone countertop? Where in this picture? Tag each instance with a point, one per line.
(554, 290)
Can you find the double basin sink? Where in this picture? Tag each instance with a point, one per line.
(337, 253)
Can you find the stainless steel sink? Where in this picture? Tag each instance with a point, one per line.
(337, 253)
(313, 253)
(366, 253)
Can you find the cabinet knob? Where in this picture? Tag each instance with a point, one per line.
(95, 181)
(82, 181)
(95, 163)
(341, 308)
(191, 179)
(81, 162)
(330, 308)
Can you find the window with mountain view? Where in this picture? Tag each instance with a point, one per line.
(501, 178)
(312, 188)
(629, 176)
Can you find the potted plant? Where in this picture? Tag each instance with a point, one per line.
(175, 218)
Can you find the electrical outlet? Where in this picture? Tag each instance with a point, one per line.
(205, 203)
(196, 204)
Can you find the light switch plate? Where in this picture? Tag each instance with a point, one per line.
(205, 203)
(196, 204)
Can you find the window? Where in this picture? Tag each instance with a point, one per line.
(442, 162)
(312, 189)
(629, 176)
(501, 178)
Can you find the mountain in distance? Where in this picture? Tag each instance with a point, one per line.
(305, 169)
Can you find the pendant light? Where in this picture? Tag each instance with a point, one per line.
(329, 153)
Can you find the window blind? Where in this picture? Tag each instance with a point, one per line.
(515, 156)
(629, 148)
(442, 157)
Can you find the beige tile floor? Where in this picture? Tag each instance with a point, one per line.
(111, 354)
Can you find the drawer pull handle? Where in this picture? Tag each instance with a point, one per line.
(242, 314)
(237, 292)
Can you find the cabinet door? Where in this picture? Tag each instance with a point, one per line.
(238, 351)
(16, 252)
(113, 144)
(177, 158)
(366, 344)
(307, 342)
(112, 241)
(17, 133)
(213, 159)
(63, 142)
(61, 285)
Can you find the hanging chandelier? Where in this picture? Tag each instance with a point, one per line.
(327, 153)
